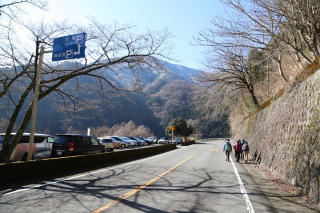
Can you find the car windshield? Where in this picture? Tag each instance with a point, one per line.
(94, 141)
(62, 139)
(39, 139)
(118, 139)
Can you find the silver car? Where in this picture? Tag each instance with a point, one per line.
(163, 140)
(107, 143)
(131, 143)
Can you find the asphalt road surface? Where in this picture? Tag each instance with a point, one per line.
(189, 179)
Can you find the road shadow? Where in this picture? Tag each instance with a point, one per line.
(197, 185)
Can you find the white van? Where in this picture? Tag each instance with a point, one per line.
(41, 147)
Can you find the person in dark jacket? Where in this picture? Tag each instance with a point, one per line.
(227, 148)
(237, 150)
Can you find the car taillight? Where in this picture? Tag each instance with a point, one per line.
(71, 146)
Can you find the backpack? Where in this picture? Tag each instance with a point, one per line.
(245, 147)
(237, 148)
(227, 146)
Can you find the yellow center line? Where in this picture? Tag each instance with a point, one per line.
(125, 196)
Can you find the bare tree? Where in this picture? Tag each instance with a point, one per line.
(109, 50)
(233, 73)
(101, 131)
(123, 129)
(126, 129)
(10, 8)
(277, 27)
(143, 131)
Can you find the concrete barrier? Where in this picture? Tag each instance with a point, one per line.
(55, 167)
(187, 143)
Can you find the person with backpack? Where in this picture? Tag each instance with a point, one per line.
(237, 150)
(242, 152)
(227, 148)
(245, 149)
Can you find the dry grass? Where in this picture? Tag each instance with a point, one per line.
(281, 184)
(301, 75)
(284, 187)
(309, 70)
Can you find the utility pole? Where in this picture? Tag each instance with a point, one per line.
(172, 135)
(36, 95)
(75, 49)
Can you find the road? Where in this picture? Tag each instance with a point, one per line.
(189, 179)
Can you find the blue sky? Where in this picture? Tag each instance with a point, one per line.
(183, 18)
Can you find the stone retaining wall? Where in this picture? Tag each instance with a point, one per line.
(287, 134)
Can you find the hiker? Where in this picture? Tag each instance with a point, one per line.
(242, 152)
(227, 148)
(237, 150)
(245, 149)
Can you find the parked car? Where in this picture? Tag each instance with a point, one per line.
(74, 144)
(41, 147)
(138, 140)
(151, 140)
(163, 140)
(144, 142)
(131, 143)
(108, 143)
(122, 142)
(116, 144)
(177, 141)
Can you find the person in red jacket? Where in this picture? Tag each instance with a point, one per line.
(237, 150)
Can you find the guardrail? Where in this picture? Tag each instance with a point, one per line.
(55, 167)
(209, 139)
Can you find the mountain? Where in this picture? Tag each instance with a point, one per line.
(163, 97)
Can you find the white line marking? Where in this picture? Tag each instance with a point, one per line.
(83, 175)
(242, 189)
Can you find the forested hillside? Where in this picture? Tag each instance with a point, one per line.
(160, 97)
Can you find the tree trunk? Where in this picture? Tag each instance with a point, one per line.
(253, 96)
(8, 147)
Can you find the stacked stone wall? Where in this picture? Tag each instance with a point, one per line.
(287, 134)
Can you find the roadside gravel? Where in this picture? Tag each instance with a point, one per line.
(283, 196)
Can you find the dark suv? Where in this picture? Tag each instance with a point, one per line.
(72, 144)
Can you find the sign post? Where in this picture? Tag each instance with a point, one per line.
(64, 48)
(172, 130)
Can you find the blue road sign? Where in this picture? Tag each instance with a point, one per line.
(69, 47)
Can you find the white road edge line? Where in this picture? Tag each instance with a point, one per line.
(78, 176)
(242, 189)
